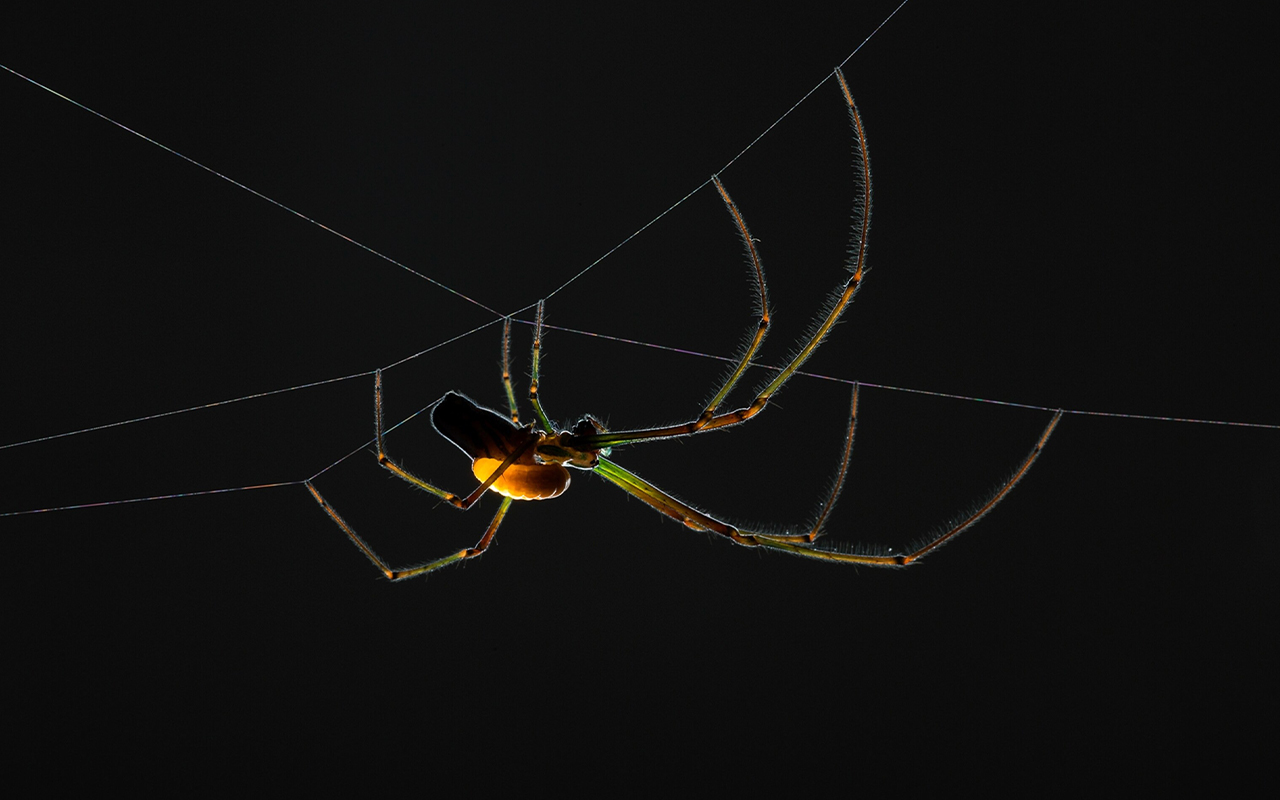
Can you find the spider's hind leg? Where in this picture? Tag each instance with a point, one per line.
(790, 545)
(401, 574)
(837, 486)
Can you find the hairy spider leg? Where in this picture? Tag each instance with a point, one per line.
(536, 372)
(506, 371)
(857, 265)
(517, 451)
(802, 544)
(474, 429)
(401, 574)
(786, 544)
(691, 517)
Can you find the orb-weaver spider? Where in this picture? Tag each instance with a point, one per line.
(528, 463)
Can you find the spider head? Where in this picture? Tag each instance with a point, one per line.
(589, 426)
(564, 449)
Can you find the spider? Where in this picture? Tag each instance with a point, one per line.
(532, 462)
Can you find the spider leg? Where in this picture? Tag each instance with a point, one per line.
(400, 472)
(401, 574)
(385, 461)
(857, 265)
(836, 486)
(506, 371)
(762, 306)
(790, 545)
(802, 544)
(762, 329)
(697, 520)
(681, 512)
(536, 372)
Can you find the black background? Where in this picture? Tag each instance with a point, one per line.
(1069, 212)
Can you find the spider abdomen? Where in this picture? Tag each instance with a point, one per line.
(523, 481)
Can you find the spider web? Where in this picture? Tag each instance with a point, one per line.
(471, 331)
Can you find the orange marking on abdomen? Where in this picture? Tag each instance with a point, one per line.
(523, 481)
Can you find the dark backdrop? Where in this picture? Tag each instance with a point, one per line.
(1069, 212)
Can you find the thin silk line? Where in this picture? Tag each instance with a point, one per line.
(253, 192)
